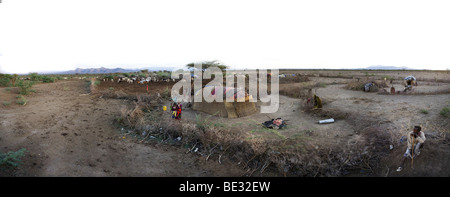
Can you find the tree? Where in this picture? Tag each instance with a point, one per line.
(207, 64)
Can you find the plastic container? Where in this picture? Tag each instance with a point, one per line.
(331, 120)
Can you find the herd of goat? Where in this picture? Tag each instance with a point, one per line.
(142, 80)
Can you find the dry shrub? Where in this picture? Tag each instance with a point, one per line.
(332, 159)
(301, 90)
(359, 85)
(294, 79)
(121, 95)
(133, 118)
(115, 94)
(355, 85)
(143, 113)
(291, 91)
(362, 152)
(290, 156)
(150, 102)
(107, 94)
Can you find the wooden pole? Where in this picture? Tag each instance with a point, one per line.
(412, 152)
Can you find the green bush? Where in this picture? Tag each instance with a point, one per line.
(163, 74)
(34, 77)
(21, 101)
(47, 79)
(5, 80)
(445, 111)
(109, 77)
(11, 159)
(24, 86)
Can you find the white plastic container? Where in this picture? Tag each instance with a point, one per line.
(326, 121)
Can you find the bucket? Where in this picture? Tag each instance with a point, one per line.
(326, 121)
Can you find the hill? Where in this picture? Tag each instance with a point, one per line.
(101, 70)
(104, 70)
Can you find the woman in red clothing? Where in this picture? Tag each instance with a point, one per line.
(179, 107)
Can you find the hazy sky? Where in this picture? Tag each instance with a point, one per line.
(45, 35)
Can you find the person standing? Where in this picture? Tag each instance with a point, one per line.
(174, 109)
(179, 108)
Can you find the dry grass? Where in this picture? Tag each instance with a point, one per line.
(294, 79)
(294, 156)
(359, 85)
(299, 90)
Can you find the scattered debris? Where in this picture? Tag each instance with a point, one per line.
(331, 120)
(275, 123)
(367, 86)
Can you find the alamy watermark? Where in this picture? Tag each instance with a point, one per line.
(214, 90)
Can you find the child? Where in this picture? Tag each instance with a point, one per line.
(174, 110)
(178, 114)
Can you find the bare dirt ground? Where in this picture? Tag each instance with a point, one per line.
(67, 132)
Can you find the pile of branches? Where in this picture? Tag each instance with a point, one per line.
(359, 85)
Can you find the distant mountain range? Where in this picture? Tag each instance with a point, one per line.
(104, 70)
(387, 68)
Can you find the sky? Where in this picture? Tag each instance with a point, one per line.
(59, 35)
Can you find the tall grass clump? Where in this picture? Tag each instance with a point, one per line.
(423, 111)
(21, 100)
(445, 112)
